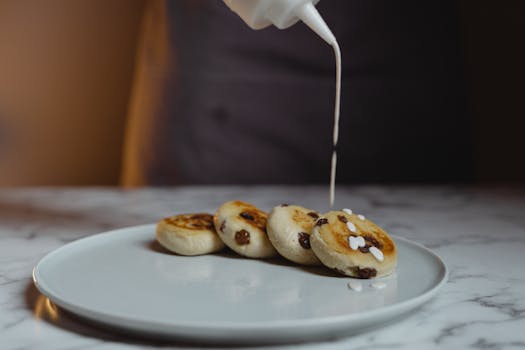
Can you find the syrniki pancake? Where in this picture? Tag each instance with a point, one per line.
(189, 234)
(242, 227)
(289, 228)
(353, 245)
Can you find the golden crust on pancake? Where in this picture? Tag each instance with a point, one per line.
(189, 234)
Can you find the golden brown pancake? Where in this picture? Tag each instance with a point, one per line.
(376, 255)
(289, 228)
(189, 234)
(242, 227)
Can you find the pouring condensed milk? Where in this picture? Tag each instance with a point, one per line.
(259, 14)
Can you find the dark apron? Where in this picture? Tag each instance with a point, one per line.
(244, 106)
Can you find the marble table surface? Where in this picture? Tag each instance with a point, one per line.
(479, 232)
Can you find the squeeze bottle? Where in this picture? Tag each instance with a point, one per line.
(260, 14)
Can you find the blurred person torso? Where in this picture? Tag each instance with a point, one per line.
(235, 105)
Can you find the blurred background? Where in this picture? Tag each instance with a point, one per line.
(81, 82)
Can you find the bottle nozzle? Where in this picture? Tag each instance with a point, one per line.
(309, 15)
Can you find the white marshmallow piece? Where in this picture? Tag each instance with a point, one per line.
(351, 227)
(360, 241)
(348, 211)
(376, 253)
(353, 242)
(361, 217)
(355, 286)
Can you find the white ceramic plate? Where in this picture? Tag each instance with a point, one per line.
(124, 279)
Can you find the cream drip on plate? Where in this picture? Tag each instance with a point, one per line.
(378, 285)
(355, 286)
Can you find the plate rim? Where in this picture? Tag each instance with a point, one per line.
(397, 308)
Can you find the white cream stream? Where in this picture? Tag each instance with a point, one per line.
(337, 108)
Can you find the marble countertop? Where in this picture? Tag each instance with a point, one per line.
(479, 232)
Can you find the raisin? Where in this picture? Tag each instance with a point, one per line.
(365, 249)
(365, 273)
(242, 237)
(321, 221)
(373, 241)
(313, 214)
(246, 216)
(304, 240)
